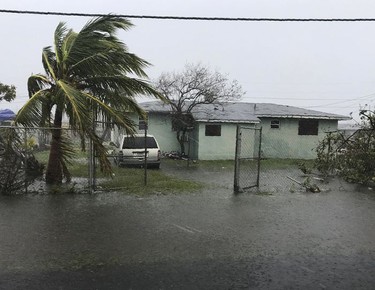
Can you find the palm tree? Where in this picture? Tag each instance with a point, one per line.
(86, 76)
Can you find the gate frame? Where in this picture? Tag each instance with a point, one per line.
(237, 158)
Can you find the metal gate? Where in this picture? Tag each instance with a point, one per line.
(247, 158)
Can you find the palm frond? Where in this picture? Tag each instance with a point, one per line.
(49, 62)
(96, 50)
(36, 83)
(82, 117)
(108, 24)
(31, 112)
(78, 103)
(60, 32)
(67, 45)
(66, 154)
(119, 85)
(67, 149)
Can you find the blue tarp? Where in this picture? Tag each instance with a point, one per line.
(6, 115)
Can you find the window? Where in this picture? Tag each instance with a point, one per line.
(308, 127)
(139, 143)
(213, 130)
(275, 124)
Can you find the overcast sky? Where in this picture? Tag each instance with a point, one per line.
(325, 66)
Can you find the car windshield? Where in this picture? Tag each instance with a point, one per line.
(139, 143)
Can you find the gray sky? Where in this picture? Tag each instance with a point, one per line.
(323, 66)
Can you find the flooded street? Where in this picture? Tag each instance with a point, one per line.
(205, 240)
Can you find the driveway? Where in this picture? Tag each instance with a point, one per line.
(204, 240)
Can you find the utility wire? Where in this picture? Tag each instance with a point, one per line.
(343, 101)
(248, 19)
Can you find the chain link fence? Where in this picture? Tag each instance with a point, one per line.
(24, 154)
(274, 161)
(265, 162)
(287, 160)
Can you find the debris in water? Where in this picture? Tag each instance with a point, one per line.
(306, 184)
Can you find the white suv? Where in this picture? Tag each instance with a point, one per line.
(131, 151)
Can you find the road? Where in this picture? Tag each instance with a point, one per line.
(205, 240)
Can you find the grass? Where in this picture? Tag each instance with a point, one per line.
(129, 180)
(274, 163)
(209, 165)
(132, 181)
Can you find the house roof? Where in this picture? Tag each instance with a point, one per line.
(241, 112)
(285, 111)
(156, 106)
(228, 112)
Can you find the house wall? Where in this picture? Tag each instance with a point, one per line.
(285, 141)
(276, 143)
(193, 151)
(217, 147)
(160, 126)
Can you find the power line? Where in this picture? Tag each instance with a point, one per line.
(291, 98)
(160, 17)
(345, 101)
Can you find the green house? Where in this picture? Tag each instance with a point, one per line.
(287, 131)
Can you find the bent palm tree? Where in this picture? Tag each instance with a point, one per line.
(86, 77)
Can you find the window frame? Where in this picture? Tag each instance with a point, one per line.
(212, 130)
(308, 127)
(273, 125)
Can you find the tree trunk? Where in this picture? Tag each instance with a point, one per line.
(181, 141)
(54, 172)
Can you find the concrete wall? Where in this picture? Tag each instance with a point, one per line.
(160, 126)
(276, 143)
(285, 141)
(217, 147)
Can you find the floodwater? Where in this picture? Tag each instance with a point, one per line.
(204, 240)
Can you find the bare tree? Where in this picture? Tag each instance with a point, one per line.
(195, 85)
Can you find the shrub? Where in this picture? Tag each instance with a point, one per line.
(351, 157)
(17, 166)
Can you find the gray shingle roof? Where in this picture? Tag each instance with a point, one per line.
(225, 112)
(156, 106)
(241, 112)
(284, 111)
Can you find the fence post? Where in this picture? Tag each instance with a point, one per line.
(236, 160)
(145, 176)
(259, 155)
(25, 158)
(188, 159)
(91, 174)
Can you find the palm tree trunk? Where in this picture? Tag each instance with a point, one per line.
(54, 172)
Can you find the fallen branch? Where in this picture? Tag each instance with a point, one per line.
(309, 187)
